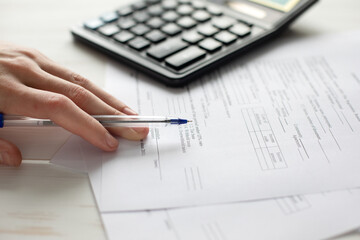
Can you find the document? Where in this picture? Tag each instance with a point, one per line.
(315, 216)
(286, 123)
(299, 100)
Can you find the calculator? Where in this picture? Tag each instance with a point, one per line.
(176, 41)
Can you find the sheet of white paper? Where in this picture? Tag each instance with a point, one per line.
(316, 216)
(70, 155)
(298, 217)
(283, 124)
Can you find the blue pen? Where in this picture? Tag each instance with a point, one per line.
(105, 120)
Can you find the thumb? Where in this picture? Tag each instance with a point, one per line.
(9, 154)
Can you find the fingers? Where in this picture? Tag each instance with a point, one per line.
(87, 101)
(87, 96)
(83, 98)
(68, 75)
(33, 85)
(60, 109)
(9, 154)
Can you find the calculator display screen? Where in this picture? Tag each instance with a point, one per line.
(282, 5)
(260, 8)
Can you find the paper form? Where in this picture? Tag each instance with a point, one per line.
(283, 124)
(298, 217)
(315, 216)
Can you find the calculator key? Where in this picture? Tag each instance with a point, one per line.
(171, 29)
(223, 22)
(210, 45)
(185, 9)
(153, 1)
(125, 11)
(170, 16)
(184, 1)
(141, 16)
(169, 4)
(109, 30)
(185, 57)
(123, 36)
(192, 37)
(94, 24)
(207, 30)
(214, 10)
(109, 17)
(140, 29)
(139, 43)
(199, 4)
(155, 36)
(139, 5)
(155, 10)
(186, 22)
(155, 22)
(201, 15)
(225, 37)
(240, 29)
(162, 50)
(126, 23)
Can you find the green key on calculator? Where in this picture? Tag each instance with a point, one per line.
(176, 41)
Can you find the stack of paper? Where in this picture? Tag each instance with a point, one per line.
(279, 128)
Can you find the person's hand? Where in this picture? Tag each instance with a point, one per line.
(33, 85)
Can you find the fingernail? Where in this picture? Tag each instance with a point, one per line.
(129, 111)
(4, 158)
(139, 129)
(110, 140)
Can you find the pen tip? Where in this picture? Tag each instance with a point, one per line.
(179, 121)
(182, 121)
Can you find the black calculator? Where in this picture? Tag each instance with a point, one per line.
(176, 41)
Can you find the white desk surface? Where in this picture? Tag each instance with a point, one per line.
(42, 201)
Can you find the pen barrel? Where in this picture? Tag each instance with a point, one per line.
(105, 120)
(30, 122)
(133, 121)
(48, 123)
(134, 125)
(130, 118)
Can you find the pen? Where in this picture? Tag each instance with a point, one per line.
(105, 120)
